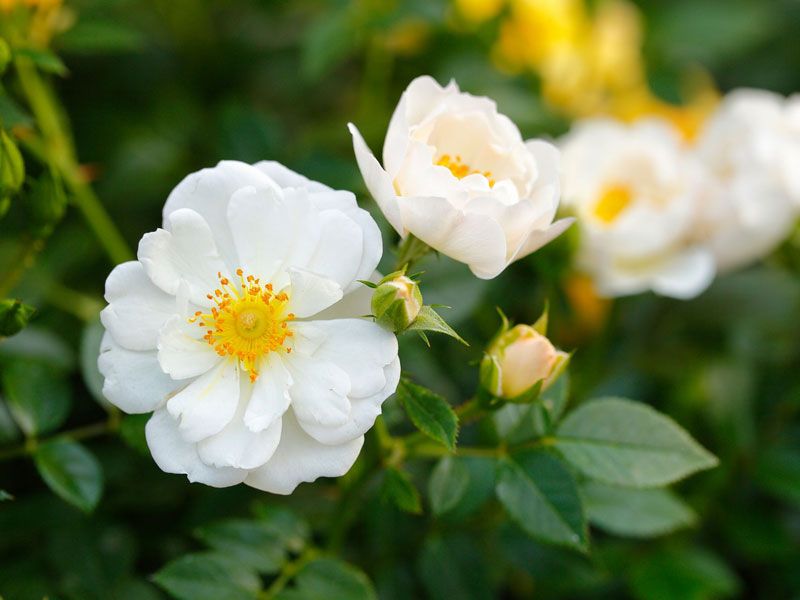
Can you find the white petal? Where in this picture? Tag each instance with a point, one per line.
(311, 293)
(136, 309)
(548, 162)
(377, 180)
(236, 445)
(175, 455)
(319, 391)
(285, 177)
(363, 411)
(372, 248)
(686, 275)
(538, 238)
(361, 348)
(270, 397)
(181, 351)
(134, 381)
(263, 229)
(208, 191)
(355, 304)
(185, 251)
(300, 458)
(471, 238)
(207, 404)
(339, 248)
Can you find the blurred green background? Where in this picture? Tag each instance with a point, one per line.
(156, 89)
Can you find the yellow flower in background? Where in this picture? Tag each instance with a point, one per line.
(35, 25)
(8, 5)
(589, 61)
(478, 11)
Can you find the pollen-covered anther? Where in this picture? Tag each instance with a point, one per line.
(247, 322)
(461, 170)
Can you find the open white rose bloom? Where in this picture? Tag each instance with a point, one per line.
(635, 194)
(660, 214)
(751, 148)
(238, 326)
(457, 175)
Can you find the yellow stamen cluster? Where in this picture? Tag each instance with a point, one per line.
(460, 170)
(613, 200)
(247, 321)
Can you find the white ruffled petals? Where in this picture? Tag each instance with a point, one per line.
(214, 329)
(457, 175)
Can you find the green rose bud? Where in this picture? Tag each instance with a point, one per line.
(396, 301)
(518, 359)
(14, 316)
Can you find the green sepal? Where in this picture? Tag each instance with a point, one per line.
(429, 320)
(14, 316)
(541, 323)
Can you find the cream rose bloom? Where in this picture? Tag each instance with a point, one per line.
(751, 149)
(634, 191)
(238, 327)
(457, 175)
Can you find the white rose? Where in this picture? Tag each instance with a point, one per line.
(457, 175)
(232, 326)
(751, 149)
(634, 192)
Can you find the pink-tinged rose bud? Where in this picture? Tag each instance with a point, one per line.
(522, 357)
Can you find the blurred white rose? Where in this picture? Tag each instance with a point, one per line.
(231, 327)
(751, 149)
(458, 175)
(634, 191)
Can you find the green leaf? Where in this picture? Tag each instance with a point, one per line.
(329, 578)
(429, 412)
(71, 471)
(447, 485)
(8, 429)
(682, 574)
(4, 495)
(46, 60)
(636, 513)
(292, 531)
(37, 344)
(37, 394)
(208, 576)
(398, 489)
(253, 543)
(542, 497)
(627, 443)
(429, 320)
(14, 315)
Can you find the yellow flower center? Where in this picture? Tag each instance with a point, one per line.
(613, 200)
(247, 321)
(460, 170)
